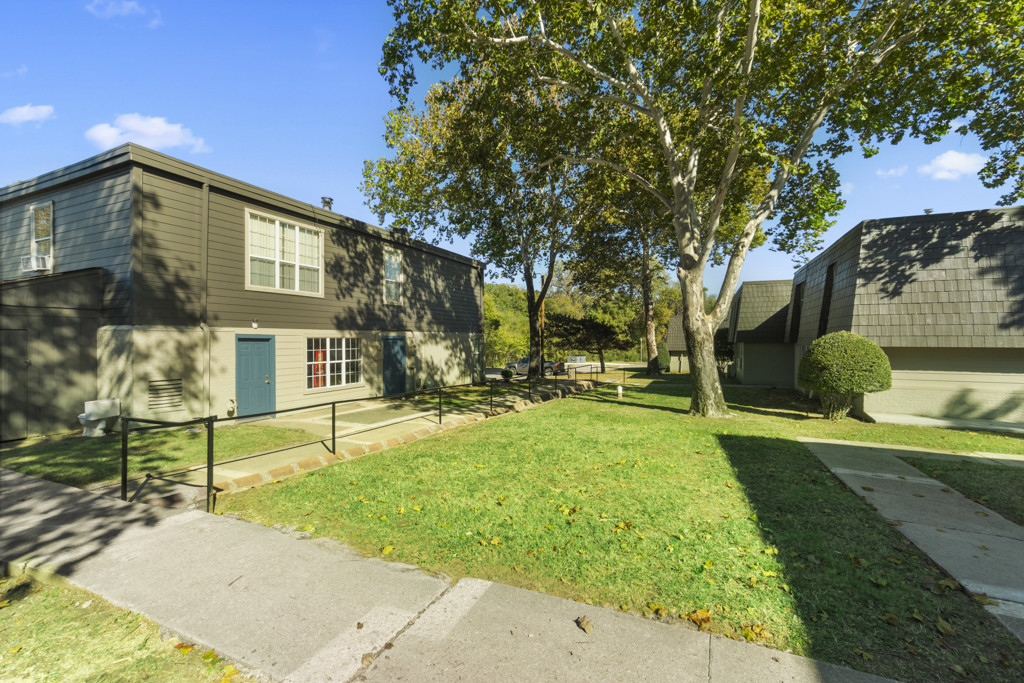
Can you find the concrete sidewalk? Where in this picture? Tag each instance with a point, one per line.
(283, 606)
(976, 546)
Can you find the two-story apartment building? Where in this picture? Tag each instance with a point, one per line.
(183, 292)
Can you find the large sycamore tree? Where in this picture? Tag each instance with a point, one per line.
(727, 86)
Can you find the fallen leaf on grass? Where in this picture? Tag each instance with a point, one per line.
(890, 618)
(386, 550)
(14, 650)
(950, 583)
(753, 632)
(958, 670)
(701, 617)
(944, 627)
(584, 624)
(983, 599)
(308, 527)
(981, 514)
(4, 603)
(917, 615)
(210, 655)
(183, 648)
(863, 655)
(867, 488)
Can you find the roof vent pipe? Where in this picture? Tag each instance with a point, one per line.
(327, 202)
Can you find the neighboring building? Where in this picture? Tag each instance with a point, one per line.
(943, 295)
(757, 331)
(675, 344)
(186, 293)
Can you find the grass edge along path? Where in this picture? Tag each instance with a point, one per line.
(730, 526)
(997, 487)
(109, 643)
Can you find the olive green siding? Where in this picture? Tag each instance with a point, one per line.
(60, 316)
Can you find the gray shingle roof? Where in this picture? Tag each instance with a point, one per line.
(952, 280)
(758, 312)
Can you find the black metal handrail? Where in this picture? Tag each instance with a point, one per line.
(210, 421)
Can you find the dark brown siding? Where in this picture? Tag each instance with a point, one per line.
(168, 282)
(438, 294)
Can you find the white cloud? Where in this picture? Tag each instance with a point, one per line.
(29, 112)
(105, 9)
(150, 131)
(108, 9)
(846, 189)
(19, 72)
(892, 172)
(952, 164)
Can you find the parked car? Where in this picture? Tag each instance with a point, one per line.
(522, 367)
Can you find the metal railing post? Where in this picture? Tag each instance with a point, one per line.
(529, 387)
(440, 414)
(492, 396)
(124, 458)
(209, 462)
(334, 429)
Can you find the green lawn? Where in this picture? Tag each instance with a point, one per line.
(632, 504)
(996, 487)
(56, 632)
(78, 461)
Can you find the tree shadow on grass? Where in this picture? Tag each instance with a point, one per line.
(846, 568)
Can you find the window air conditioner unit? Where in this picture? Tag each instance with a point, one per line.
(35, 263)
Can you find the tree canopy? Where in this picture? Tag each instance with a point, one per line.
(720, 88)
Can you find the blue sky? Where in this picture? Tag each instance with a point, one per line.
(287, 96)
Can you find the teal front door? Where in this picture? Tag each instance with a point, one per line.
(254, 374)
(394, 365)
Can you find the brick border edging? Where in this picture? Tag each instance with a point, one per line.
(229, 486)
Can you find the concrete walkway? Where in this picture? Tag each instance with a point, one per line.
(976, 546)
(283, 606)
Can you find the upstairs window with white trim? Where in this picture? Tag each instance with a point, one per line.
(333, 362)
(42, 229)
(40, 247)
(392, 276)
(284, 256)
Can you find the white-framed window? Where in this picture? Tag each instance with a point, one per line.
(42, 229)
(392, 276)
(283, 255)
(333, 362)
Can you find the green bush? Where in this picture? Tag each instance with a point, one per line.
(841, 366)
(507, 374)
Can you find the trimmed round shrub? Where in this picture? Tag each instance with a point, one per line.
(507, 374)
(841, 366)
